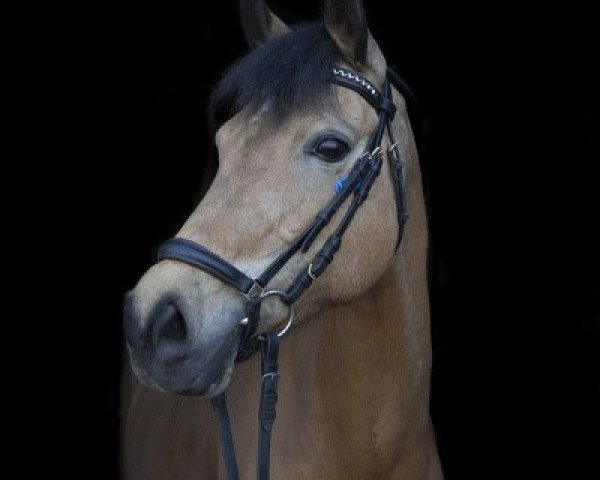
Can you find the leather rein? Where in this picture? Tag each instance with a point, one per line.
(357, 185)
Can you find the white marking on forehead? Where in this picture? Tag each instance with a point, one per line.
(264, 108)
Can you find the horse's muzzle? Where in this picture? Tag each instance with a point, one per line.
(164, 354)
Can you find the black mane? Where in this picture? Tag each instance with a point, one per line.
(289, 73)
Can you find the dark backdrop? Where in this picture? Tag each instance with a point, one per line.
(509, 139)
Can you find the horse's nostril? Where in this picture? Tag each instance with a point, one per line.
(161, 335)
(169, 335)
(174, 328)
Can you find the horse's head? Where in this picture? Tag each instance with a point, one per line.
(285, 136)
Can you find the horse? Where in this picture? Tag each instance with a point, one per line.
(355, 361)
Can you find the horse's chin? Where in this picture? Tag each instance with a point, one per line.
(219, 386)
(194, 378)
(216, 387)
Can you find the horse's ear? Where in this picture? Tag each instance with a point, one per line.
(346, 22)
(260, 24)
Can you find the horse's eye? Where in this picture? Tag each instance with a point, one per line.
(332, 149)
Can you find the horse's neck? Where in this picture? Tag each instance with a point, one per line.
(354, 381)
(365, 360)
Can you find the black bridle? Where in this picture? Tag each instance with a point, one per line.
(357, 185)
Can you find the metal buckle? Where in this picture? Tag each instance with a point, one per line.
(393, 150)
(375, 152)
(310, 273)
(271, 376)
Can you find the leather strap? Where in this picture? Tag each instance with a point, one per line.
(397, 168)
(325, 255)
(266, 413)
(354, 178)
(219, 405)
(268, 402)
(194, 254)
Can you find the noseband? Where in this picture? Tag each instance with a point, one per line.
(357, 185)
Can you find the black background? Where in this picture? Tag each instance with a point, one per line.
(509, 151)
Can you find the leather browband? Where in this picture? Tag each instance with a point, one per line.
(348, 79)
